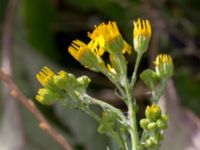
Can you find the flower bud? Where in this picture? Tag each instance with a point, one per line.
(150, 143)
(86, 55)
(152, 126)
(60, 80)
(141, 35)
(45, 77)
(144, 123)
(45, 96)
(164, 65)
(161, 124)
(83, 83)
(165, 118)
(153, 112)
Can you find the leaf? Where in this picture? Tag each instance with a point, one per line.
(150, 78)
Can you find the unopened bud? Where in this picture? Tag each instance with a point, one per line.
(153, 112)
(141, 35)
(60, 80)
(164, 65)
(144, 123)
(161, 124)
(45, 96)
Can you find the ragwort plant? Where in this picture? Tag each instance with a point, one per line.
(69, 90)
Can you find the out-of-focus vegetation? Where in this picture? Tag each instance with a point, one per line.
(43, 30)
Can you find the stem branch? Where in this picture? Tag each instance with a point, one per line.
(134, 76)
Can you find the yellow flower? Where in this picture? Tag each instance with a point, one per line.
(109, 38)
(87, 54)
(163, 59)
(141, 35)
(142, 28)
(78, 49)
(153, 112)
(45, 76)
(45, 96)
(164, 65)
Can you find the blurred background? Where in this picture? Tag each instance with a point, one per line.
(42, 30)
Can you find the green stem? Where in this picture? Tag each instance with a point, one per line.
(92, 114)
(133, 131)
(105, 105)
(132, 116)
(134, 76)
(157, 94)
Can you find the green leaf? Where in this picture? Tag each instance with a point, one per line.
(150, 78)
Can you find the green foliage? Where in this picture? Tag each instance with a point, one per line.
(38, 18)
(150, 78)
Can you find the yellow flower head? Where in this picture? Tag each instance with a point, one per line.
(164, 65)
(78, 49)
(45, 76)
(45, 96)
(163, 59)
(109, 32)
(142, 28)
(141, 35)
(108, 37)
(153, 112)
(87, 54)
(94, 47)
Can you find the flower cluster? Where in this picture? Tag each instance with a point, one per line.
(69, 90)
(153, 125)
(58, 87)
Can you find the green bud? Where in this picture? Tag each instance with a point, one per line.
(45, 96)
(161, 124)
(150, 143)
(165, 118)
(164, 65)
(153, 112)
(60, 80)
(83, 81)
(144, 123)
(71, 83)
(152, 126)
